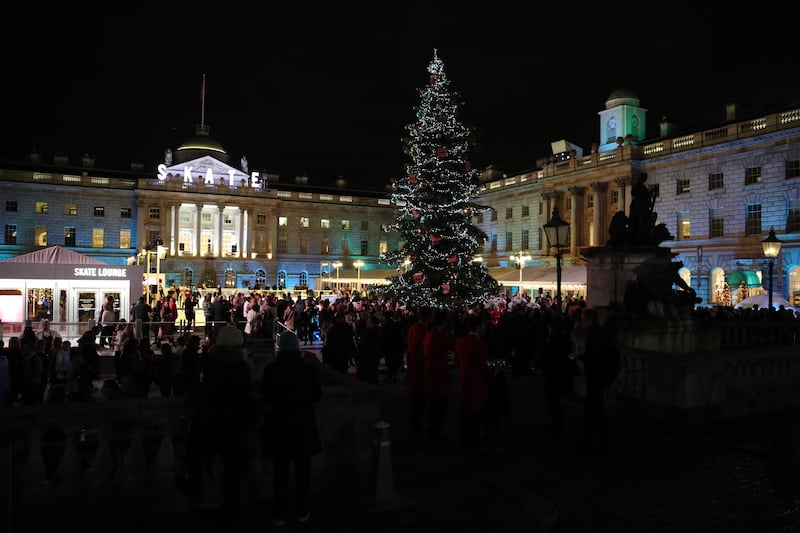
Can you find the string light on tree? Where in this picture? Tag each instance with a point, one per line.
(435, 206)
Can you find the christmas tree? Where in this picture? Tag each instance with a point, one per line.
(435, 207)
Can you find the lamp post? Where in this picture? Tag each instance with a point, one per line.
(771, 247)
(337, 265)
(557, 233)
(358, 264)
(520, 259)
(323, 269)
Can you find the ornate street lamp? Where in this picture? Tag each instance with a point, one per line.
(337, 265)
(520, 259)
(358, 264)
(771, 247)
(557, 233)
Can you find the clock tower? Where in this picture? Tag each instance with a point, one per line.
(622, 117)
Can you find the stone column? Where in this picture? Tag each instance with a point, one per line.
(198, 249)
(600, 214)
(220, 252)
(576, 217)
(624, 185)
(242, 236)
(175, 232)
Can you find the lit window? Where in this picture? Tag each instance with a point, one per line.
(97, 237)
(684, 227)
(345, 224)
(41, 208)
(40, 233)
(71, 210)
(124, 238)
(283, 221)
(304, 222)
(99, 211)
(683, 186)
(324, 223)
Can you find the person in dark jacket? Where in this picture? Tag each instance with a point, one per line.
(291, 387)
(558, 373)
(224, 414)
(597, 358)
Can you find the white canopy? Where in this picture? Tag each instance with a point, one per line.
(762, 301)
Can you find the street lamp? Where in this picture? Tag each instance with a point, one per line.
(771, 247)
(323, 269)
(337, 265)
(358, 264)
(557, 233)
(520, 259)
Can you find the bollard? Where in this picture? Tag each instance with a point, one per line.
(385, 498)
(382, 463)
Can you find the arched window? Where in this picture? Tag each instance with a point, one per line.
(303, 279)
(230, 278)
(261, 278)
(686, 275)
(716, 280)
(793, 277)
(281, 280)
(187, 277)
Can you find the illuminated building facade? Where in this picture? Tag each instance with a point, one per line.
(718, 191)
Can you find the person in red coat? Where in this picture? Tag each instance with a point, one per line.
(471, 357)
(437, 345)
(415, 366)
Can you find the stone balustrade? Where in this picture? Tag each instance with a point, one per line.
(702, 370)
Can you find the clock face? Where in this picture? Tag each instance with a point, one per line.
(612, 123)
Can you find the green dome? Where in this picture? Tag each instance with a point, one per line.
(200, 144)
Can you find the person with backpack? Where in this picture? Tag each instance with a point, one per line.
(601, 365)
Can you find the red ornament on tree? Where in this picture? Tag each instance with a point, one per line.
(415, 212)
(445, 288)
(441, 153)
(412, 178)
(436, 238)
(417, 277)
(452, 259)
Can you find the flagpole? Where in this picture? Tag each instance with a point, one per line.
(203, 103)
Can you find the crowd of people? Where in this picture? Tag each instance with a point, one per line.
(431, 349)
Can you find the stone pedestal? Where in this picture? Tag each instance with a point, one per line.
(610, 269)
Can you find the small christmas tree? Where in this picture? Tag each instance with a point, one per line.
(435, 207)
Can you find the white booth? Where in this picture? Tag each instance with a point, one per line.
(65, 287)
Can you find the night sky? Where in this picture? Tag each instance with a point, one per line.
(327, 90)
